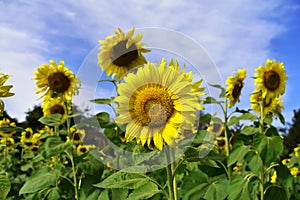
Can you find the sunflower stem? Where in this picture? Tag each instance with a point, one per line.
(261, 129)
(172, 184)
(227, 142)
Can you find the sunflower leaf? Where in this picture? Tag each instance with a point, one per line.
(51, 120)
(10, 129)
(144, 192)
(4, 186)
(101, 101)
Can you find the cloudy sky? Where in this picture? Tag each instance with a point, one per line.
(232, 34)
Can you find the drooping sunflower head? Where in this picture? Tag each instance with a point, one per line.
(121, 52)
(154, 103)
(271, 79)
(81, 149)
(269, 105)
(56, 106)
(234, 87)
(56, 80)
(6, 123)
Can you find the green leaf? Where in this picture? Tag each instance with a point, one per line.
(123, 180)
(11, 129)
(38, 182)
(54, 146)
(144, 192)
(223, 91)
(103, 196)
(54, 193)
(90, 165)
(4, 186)
(211, 100)
(119, 193)
(249, 130)
(239, 150)
(240, 189)
(217, 189)
(51, 120)
(254, 162)
(275, 192)
(269, 148)
(233, 120)
(102, 101)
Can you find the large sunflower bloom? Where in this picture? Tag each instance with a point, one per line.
(154, 103)
(56, 80)
(56, 106)
(121, 52)
(234, 87)
(271, 79)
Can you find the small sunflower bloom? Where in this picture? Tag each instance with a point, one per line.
(121, 52)
(55, 80)
(8, 142)
(285, 161)
(6, 123)
(235, 84)
(237, 167)
(215, 128)
(270, 79)
(296, 150)
(274, 177)
(84, 148)
(78, 135)
(56, 106)
(155, 103)
(294, 171)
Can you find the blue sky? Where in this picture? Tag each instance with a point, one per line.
(234, 33)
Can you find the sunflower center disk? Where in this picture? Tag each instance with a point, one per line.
(237, 90)
(58, 82)
(27, 134)
(271, 80)
(151, 105)
(57, 109)
(122, 56)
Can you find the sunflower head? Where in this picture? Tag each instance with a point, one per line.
(81, 149)
(121, 52)
(5, 89)
(154, 103)
(215, 128)
(234, 87)
(78, 135)
(6, 123)
(56, 106)
(271, 79)
(56, 80)
(269, 104)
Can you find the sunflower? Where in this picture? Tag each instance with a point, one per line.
(154, 103)
(121, 52)
(215, 128)
(234, 87)
(6, 123)
(269, 105)
(56, 80)
(84, 148)
(8, 142)
(56, 106)
(26, 135)
(78, 135)
(271, 79)
(5, 89)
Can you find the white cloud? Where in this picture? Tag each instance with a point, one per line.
(234, 33)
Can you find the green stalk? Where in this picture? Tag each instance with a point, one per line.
(261, 129)
(227, 143)
(172, 183)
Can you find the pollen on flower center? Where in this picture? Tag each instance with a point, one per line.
(151, 105)
(57, 109)
(58, 82)
(122, 56)
(271, 80)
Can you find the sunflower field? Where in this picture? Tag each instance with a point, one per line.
(161, 144)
